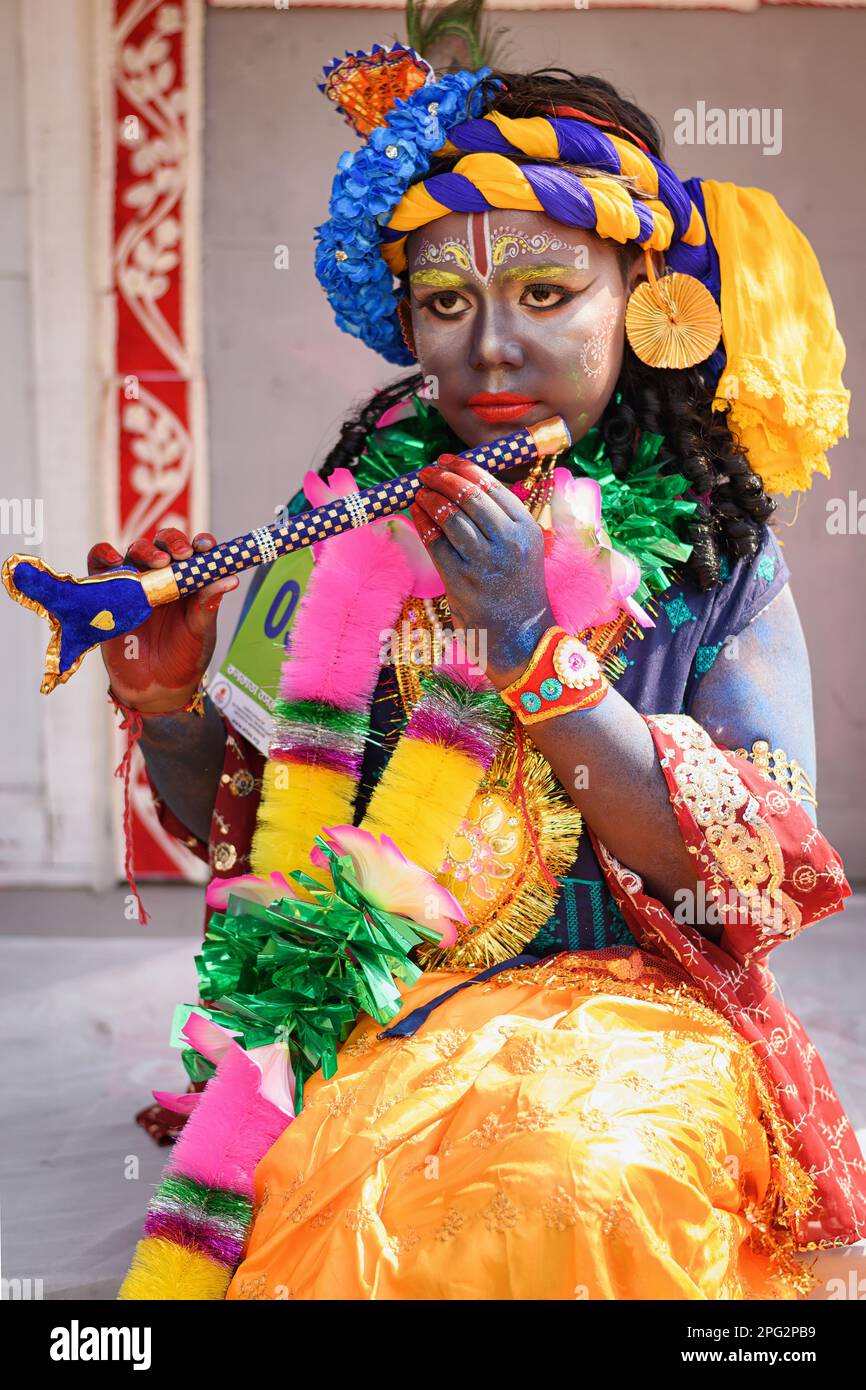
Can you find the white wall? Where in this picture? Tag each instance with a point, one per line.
(23, 820)
(55, 785)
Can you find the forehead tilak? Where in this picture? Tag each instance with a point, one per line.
(483, 250)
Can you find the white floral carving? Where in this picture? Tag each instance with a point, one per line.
(144, 253)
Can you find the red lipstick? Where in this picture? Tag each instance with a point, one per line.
(496, 407)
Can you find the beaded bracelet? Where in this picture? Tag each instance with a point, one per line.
(562, 676)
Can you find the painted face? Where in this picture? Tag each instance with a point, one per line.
(517, 317)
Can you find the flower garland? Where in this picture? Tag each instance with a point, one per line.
(301, 959)
(645, 514)
(449, 744)
(200, 1213)
(368, 185)
(322, 716)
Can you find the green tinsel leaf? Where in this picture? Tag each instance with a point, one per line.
(197, 1068)
(300, 972)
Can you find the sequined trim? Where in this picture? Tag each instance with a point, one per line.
(784, 771)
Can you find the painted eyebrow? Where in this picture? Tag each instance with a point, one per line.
(442, 279)
(439, 278)
(533, 272)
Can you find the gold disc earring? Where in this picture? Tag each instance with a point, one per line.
(672, 322)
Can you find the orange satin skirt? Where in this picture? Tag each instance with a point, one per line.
(588, 1128)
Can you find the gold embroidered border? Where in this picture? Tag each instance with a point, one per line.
(779, 768)
(744, 847)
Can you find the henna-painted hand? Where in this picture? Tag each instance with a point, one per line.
(157, 667)
(489, 551)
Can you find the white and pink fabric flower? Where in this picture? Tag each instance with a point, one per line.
(249, 887)
(589, 582)
(392, 882)
(386, 878)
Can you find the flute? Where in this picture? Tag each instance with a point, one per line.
(86, 612)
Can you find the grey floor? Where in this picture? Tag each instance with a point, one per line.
(87, 1000)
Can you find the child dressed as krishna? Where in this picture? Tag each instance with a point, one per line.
(485, 1005)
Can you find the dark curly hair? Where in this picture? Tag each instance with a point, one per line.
(676, 404)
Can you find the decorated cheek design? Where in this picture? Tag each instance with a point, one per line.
(593, 353)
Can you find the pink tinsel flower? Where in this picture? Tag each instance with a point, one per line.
(426, 580)
(588, 580)
(275, 1079)
(250, 887)
(391, 881)
(395, 414)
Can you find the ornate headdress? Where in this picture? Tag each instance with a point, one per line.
(736, 266)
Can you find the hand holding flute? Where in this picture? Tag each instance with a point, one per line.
(175, 644)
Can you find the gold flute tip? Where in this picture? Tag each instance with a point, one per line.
(551, 436)
(160, 586)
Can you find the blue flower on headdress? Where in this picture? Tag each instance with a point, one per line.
(401, 165)
(368, 185)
